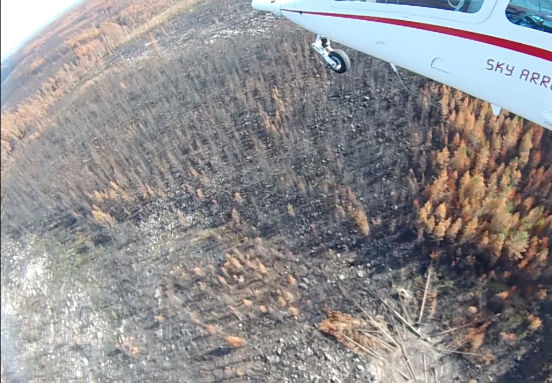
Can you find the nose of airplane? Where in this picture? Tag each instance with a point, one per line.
(267, 6)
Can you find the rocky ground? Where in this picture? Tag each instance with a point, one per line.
(161, 307)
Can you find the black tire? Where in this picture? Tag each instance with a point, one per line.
(342, 60)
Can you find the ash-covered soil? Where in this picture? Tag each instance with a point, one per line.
(198, 200)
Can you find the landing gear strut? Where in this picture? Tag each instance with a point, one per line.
(336, 58)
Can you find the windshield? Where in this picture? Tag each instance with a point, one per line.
(535, 14)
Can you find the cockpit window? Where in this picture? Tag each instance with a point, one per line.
(467, 6)
(535, 14)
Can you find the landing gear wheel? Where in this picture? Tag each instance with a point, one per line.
(336, 58)
(341, 59)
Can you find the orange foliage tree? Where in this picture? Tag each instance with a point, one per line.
(492, 187)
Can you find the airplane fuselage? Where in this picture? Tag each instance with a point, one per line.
(481, 53)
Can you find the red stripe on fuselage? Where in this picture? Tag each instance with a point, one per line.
(492, 40)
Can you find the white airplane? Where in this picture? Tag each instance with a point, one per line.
(496, 50)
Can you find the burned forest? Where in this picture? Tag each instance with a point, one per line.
(189, 194)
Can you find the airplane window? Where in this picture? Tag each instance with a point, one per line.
(468, 6)
(535, 14)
